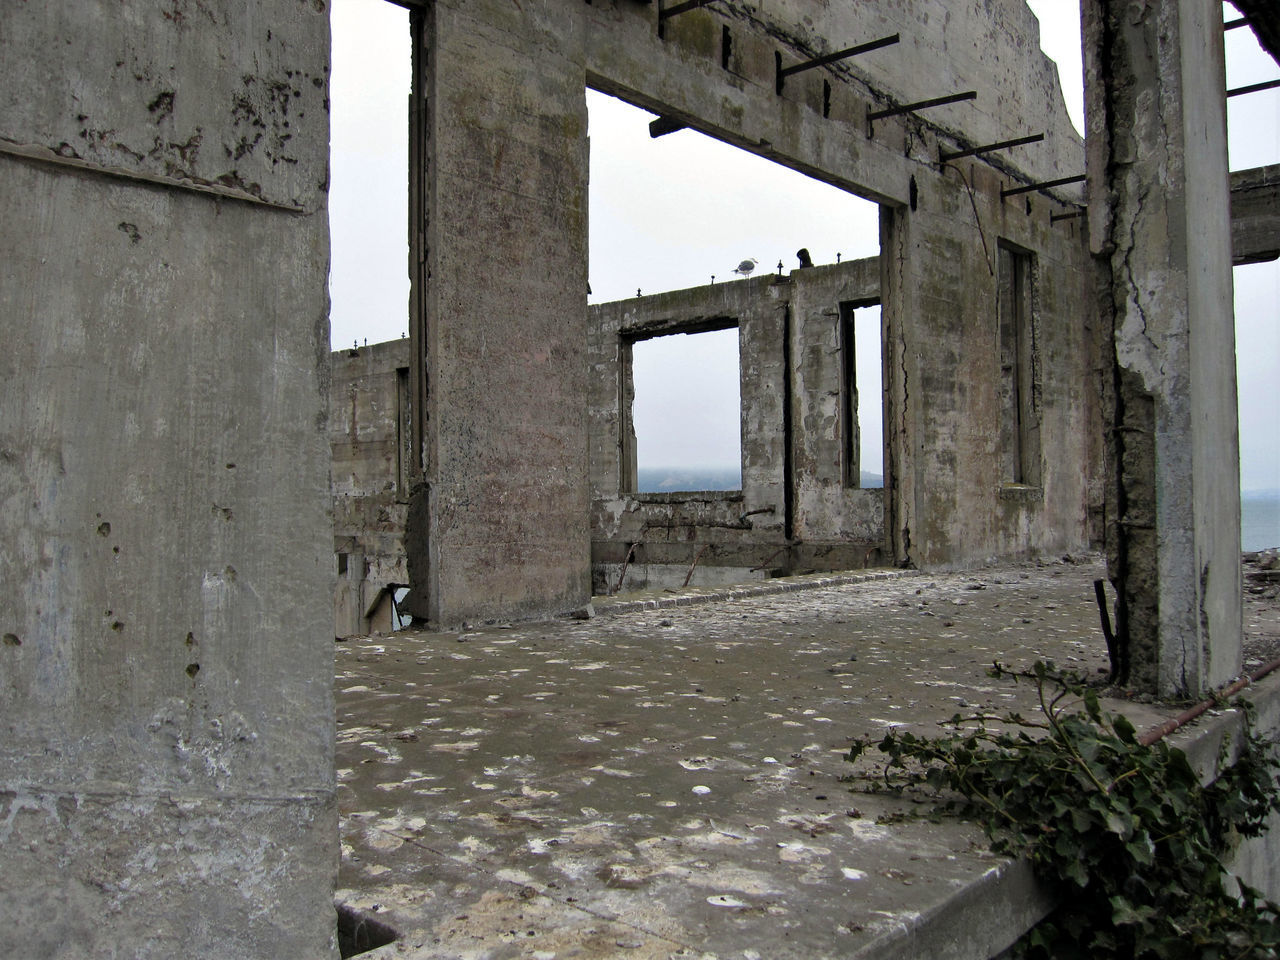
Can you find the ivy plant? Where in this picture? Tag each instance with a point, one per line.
(1129, 835)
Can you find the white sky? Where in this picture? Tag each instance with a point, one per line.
(654, 230)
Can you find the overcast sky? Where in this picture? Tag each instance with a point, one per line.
(653, 231)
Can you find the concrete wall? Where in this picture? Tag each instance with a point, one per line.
(369, 432)
(942, 227)
(498, 528)
(166, 755)
(796, 511)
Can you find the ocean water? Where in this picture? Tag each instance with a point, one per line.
(1259, 509)
(1259, 519)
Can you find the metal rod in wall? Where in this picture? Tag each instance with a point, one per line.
(1254, 88)
(944, 157)
(664, 125)
(784, 72)
(875, 115)
(1042, 185)
(679, 8)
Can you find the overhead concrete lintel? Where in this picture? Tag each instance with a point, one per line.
(1255, 215)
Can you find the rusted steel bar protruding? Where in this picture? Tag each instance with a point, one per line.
(696, 557)
(1182, 719)
(625, 562)
(874, 115)
(665, 13)
(944, 157)
(1235, 24)
(769, 559)
(664, 125)
(1059, 217)
(784, 72)
(1042, 185)
(1113, 649)
(1254, 88)
(675, 11)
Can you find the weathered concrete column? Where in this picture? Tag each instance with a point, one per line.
(1161, 235)
(166, 715)
(501, 527)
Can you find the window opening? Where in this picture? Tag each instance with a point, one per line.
(404, 432)
(1257, 291)
(684, 210)
(686, 412)
(862, 395)
(1019, 399)
(673, 212)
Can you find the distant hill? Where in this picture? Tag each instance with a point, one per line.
(677, 479)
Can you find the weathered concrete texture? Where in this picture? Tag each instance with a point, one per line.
(506, 501)
(952, 501)
(164, 875)
(787, 515)
(946, 497)
(502, 529)
(667, 783)
(716, 69)
(190, 91)
(687, 73)
(1255, 215)
(166, 713)
(369, 430)
(1160, 229)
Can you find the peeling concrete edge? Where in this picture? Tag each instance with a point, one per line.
(610, 606)
(44, 155)
(980, 921)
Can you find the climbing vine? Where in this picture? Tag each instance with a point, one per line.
(1127, 831)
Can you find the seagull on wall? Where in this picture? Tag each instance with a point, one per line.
(746, 266)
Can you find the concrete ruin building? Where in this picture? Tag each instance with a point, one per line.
(1058, 372)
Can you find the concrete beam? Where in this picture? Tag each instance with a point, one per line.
(1255, 215)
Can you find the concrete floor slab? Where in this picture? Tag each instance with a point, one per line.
(668, 782)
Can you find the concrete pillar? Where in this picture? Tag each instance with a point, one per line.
(1160, 232)
(166, 716)
(500, 528)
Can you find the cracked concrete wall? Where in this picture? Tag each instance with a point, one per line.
(942, 223)
(826, 510)
(1161, 235)
(166, 763)
(369, 432)
(961, 506)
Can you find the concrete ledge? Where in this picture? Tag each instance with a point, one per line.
(630, 603)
